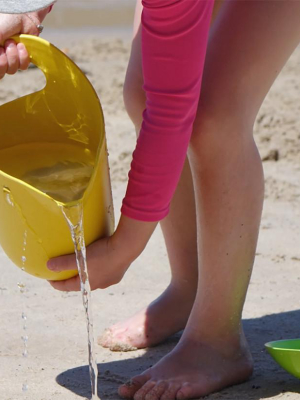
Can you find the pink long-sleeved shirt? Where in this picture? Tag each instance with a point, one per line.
(174, 40)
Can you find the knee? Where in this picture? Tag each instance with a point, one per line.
(134, 97)
(218, 127)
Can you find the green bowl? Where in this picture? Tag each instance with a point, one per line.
(287, 354)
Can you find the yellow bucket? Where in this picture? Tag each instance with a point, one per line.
(65, 121)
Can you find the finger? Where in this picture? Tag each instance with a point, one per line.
(12, 57)
(69, 285)
(24, 59)
(11, 24)
(62, 263)
(3, 62)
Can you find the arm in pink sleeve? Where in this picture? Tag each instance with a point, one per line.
(174, 40)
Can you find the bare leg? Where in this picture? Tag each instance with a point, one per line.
(145, 329)
(227, 172)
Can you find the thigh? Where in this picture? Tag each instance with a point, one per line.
(249, 44)
(135, 61)
(134, 95)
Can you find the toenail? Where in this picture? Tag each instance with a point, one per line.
(129, 383)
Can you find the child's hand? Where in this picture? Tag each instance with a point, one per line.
(108, 259)
(105, 266)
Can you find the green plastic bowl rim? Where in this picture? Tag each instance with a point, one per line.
(272, 345)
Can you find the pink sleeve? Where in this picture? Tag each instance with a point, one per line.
(174, 40)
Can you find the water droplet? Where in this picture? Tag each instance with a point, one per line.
(25, 239)
(24, 387)
(8, 197)
(9, 200)
(22, 287)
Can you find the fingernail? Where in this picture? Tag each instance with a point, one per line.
(10, 45)
(51, 266)
(21, 47)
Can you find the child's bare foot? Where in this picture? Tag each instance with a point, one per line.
(165, 316)
(190, 371)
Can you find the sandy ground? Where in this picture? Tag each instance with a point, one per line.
(57, 364)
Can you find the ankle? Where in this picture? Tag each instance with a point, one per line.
(184, 287)
(230, 345)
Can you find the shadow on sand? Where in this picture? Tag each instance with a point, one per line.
(268, 380)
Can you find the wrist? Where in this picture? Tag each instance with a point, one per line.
(41, 14)
(132, 236)
(32, 21)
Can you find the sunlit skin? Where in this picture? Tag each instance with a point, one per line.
(225, 186)
(117, 252)
(229, 189)
(15, 56)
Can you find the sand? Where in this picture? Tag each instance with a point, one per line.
(56, 367)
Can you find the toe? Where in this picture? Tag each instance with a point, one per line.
(171, 391)
(114, 342)
(188, 391)
(142, 393)
(157, 391)
(128, 390)
(104, 340)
